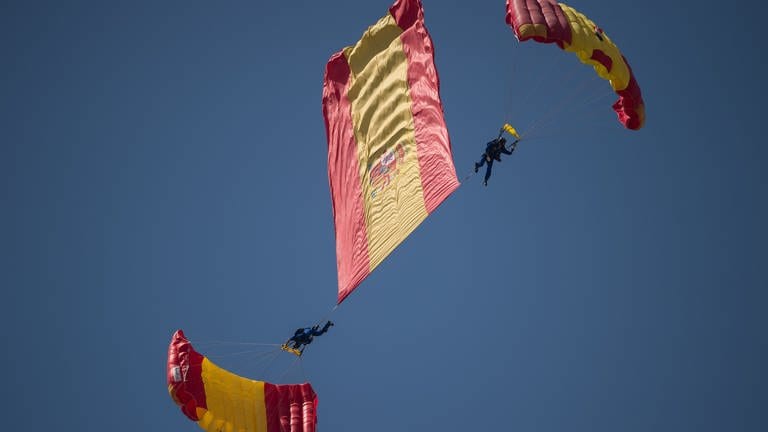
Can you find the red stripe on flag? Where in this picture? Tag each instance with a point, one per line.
(433, 145)
(406, 12)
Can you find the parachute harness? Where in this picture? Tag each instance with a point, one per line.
(298, 352)
(506, 128)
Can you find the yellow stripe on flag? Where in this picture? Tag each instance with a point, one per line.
(384, 131)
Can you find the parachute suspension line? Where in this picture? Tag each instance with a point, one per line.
(511, 91)
(261, 358)
(259, 354)
(563, 100)
(599, 96)
(269, 361)
(289, 368)
(265, 362)
(561, 104)
(576, 102)
(545, 76)
(468, 176)
(261, 362)
(301, 369)
(214, 343)
(591, 109)
(327, 316)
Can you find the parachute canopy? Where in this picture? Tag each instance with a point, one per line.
(219, 400)
(389, 155)
(547, 21)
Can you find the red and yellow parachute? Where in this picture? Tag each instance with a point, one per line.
(389, 155)
(547, 21)
(219, 400)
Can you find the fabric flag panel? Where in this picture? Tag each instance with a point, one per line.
(389, 154)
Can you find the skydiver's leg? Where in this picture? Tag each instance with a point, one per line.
(326, 327)
(488, 172)
(299, 340)
(481, 163)
(297, 344)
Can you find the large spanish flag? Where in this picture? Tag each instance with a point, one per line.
(219, 400)
(389, 155)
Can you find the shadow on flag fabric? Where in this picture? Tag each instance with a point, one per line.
(389, 155)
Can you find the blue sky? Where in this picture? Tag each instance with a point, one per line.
(163, 166)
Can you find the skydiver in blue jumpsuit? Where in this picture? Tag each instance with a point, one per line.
(304, 336)
(493, 150)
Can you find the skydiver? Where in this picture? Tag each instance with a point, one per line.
(305, 335)
(493, 150)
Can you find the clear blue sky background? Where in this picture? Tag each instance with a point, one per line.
(163, 166)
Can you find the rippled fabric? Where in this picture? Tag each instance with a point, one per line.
(389, 155)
